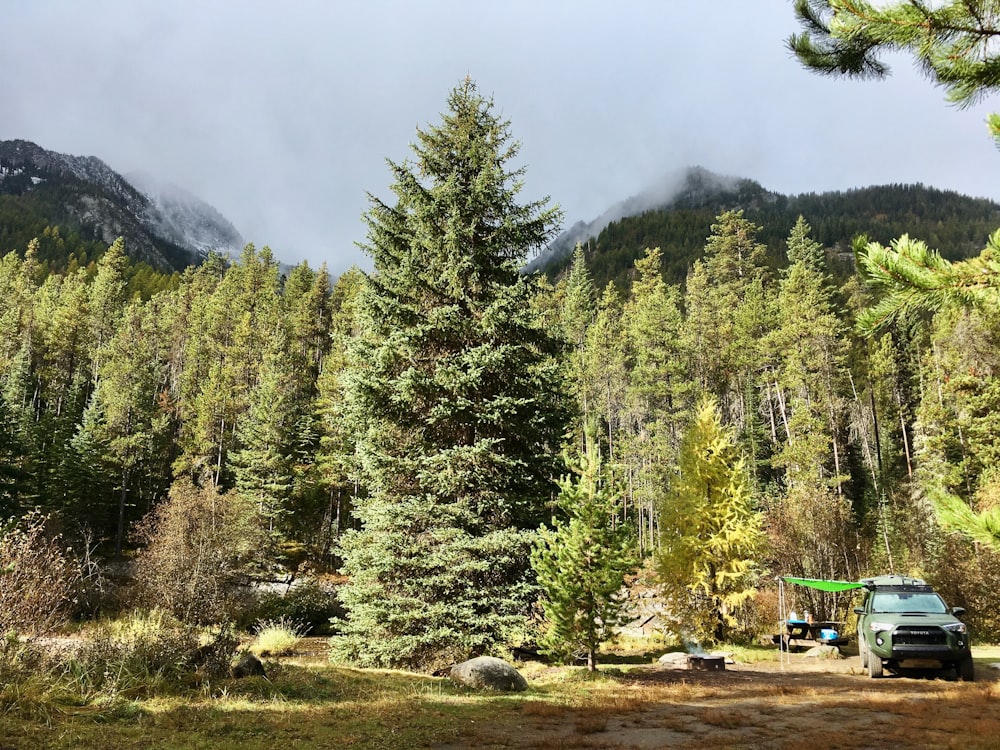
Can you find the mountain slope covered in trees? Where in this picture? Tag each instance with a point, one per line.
(77, 206)
(952, 223)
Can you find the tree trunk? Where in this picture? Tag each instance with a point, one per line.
(120, 531)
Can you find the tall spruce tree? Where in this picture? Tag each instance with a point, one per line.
(125, 424)
(657, 389)
(456, 400)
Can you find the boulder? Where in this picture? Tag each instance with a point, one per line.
(674, 660)
(825, 652)
(488, 673)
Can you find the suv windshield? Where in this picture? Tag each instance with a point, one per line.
(925, 603)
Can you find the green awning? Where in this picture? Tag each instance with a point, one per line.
(816, 583)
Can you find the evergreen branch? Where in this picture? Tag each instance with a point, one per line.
(955, 515)
(917, 278)
(953, 43)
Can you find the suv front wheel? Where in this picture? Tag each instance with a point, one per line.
(875, 665)
(965, 670)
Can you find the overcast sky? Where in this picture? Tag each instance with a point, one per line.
(281, 115)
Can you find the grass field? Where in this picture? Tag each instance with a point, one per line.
(307, 703)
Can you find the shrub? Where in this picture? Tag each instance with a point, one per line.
(310, 602)
(966, 575)
(103, 585)
(38, 579)
(144, 652)
(137, 653)
(277, 637)
(202, 550)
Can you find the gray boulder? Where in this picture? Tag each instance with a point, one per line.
(488, 673)
(674, 660)
(825, 652)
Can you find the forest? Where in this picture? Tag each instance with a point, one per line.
(477, 458)
(953, 223)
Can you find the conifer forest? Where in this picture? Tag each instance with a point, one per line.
(480, 458)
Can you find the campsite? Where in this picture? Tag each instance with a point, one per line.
(708, 459)
(633, 702)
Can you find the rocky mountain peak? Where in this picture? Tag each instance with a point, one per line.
(163, 225)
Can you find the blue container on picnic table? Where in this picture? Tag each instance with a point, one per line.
(827, 634)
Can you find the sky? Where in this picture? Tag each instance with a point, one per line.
(282, 114)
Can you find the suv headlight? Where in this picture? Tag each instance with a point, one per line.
(956, 627)
(879, 627)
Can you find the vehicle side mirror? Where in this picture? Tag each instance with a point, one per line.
(958, 611)
(859, 610)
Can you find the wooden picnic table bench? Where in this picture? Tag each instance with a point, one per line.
(807, 634)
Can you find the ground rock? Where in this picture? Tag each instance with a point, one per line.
(674, 660)
(825, 652)
(488, 673)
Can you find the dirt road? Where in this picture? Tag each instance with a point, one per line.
(809, 704)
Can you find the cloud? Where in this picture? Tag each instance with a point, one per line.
(281, 116)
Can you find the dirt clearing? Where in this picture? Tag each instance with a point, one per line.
(810, 704)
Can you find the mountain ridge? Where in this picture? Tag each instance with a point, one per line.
(684, 188)
(89, 199)
(955, 224)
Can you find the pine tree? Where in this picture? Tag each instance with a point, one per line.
(915, 278)
(124, 425)
(455, 399)
(12, 460)
(336, 464)
(810, 346)
(307, 310)
(728, 304)
(717, 287)
(802, 248)
(657, 394)
(581, 563)
(605, 372)
(576, 315)
(263, 464)
(710, 532)
(106, 302)
(811, 524)
(241, 316)
(953, 41)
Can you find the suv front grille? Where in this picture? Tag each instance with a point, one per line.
(910, 635)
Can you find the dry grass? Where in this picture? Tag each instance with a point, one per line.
(309, 703)
(277, 637)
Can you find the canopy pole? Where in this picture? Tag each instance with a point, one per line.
(781, 622)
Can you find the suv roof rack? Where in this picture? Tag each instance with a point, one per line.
(900, 583)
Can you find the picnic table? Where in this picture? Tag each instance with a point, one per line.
(807, 634)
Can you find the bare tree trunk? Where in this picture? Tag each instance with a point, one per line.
(770, 414)
(784, 412)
